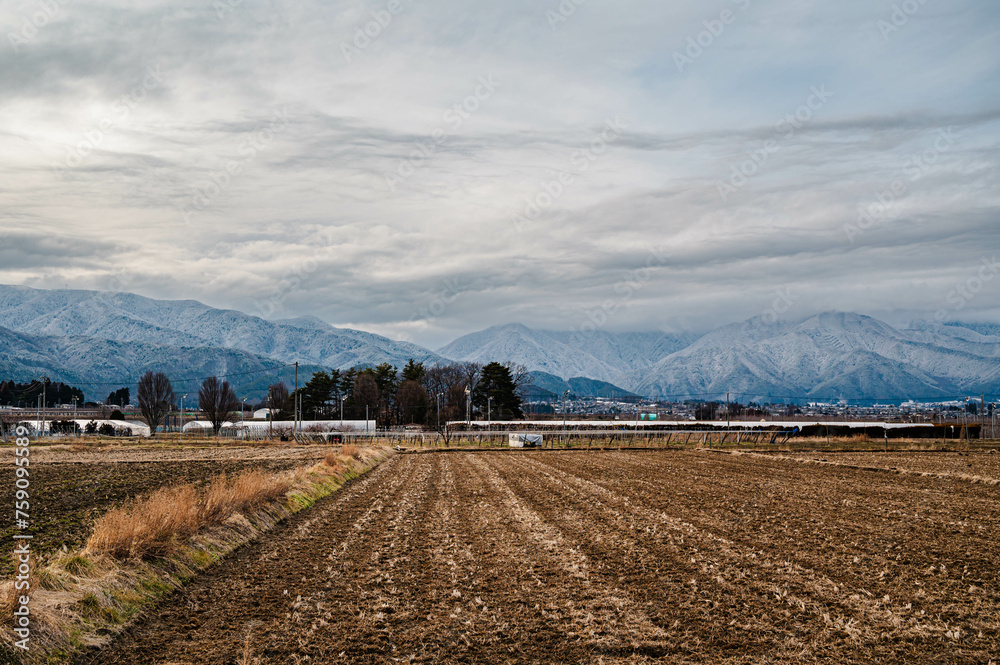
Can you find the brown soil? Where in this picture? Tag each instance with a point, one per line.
(980, 464)
(69, 491)
(603, 558)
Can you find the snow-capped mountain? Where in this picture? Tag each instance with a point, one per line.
(832, 355)
(99, 366)
(597, 355)
(88, 337)
(125, 317)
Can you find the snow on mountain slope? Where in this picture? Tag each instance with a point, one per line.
(128, 317)
(597, 355)
(98, 366)
(831, 355)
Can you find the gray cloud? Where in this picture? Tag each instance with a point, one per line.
(190, 188)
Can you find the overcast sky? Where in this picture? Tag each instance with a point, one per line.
(638, 164)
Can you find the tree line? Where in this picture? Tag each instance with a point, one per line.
(414, 395)
(28, 394)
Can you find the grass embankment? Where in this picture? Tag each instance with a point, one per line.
(145, 549)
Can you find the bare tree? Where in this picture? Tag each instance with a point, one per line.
(470, 374)
(521, 376)
(446, 386)
(218, 401)
(366, 392)
(155, 396)
(278, 400)
(412, 400)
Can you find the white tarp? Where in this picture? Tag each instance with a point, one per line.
(524, 440)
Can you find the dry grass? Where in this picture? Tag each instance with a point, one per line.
(152, 545)
(351, 451)
(155, 525)
(147, 527)
(8, 598)
(246, 491)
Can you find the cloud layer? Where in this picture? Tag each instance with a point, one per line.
(424, 169)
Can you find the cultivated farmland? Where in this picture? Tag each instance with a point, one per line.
(603, 557)
(71, 488)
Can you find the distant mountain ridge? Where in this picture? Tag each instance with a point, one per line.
(100, 366)
(578, 386)
(833, 355)
(88, 337)
(600, 355)
(127, 317)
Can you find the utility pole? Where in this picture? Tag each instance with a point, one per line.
(993, 428)
(181, 437)
(295, 404)
(727, 412)
(468, 408)
(342, 398)
(565, 395)
(489, 412)
(439, 410)
(74, 417)
(966, 420)
(982, 415)
(45, 402)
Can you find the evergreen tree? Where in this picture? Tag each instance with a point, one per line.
(497, 391)
(414, 371)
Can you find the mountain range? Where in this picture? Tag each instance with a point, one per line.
(99, 341)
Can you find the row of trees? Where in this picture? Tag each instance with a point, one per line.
(155, 397)
(420, 395)
(120, 397)
(28, 394)
(429, 396)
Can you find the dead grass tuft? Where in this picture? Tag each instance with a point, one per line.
(351, 451)
(147, 527)
(154, 526)
(335, 462)
(225, 496)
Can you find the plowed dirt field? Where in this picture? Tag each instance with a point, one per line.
(540, 557)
